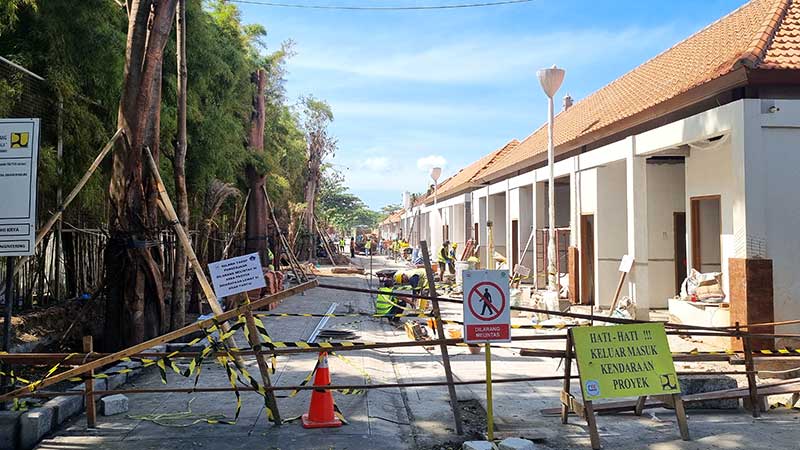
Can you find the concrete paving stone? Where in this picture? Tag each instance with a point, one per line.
(33, 425)
(113, 404)
(478, 445)
(516, 444)
(9, 429)
(64, 407)
(117, 380)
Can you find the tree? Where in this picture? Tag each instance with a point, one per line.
(256, 222)
(338, 207)
(178, 307)
(317, 117)
(135, 297)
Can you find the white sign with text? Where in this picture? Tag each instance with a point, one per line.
(487, 306)
(234, 275)
(19, 153)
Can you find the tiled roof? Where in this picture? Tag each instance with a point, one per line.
(762, 34)
(393, 217)
(467, 176)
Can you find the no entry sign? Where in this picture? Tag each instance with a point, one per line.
(487, 312)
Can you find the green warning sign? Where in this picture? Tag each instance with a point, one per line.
(624, 361)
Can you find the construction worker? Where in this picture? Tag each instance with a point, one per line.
(367, 246)
(353, 247)
(446, 257)
(341, 245)
(415, 278)
(386, 304)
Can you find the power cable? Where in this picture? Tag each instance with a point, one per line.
(381, 8)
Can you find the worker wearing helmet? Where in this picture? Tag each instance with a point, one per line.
(416, 279)
(446, 258)
(386, 304)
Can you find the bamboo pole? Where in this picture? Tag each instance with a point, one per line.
(294, 264)
(236, 227)
(164, 338)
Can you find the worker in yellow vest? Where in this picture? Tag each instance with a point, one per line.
(446, 258)
(386, 304)
(367, 246)
(417, 279)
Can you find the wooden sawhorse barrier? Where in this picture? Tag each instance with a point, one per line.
(585, 408)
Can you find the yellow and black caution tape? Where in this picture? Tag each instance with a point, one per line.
(778, 405)
(769, 352)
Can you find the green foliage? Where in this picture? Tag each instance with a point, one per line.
(79, 47)
(339, 208)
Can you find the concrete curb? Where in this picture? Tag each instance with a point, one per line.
(22, 430)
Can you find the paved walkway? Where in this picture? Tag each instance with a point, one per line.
(403, 418)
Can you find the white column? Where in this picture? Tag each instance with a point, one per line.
(574, 211)
(636, 190)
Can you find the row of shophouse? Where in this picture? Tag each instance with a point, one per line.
(691, 160)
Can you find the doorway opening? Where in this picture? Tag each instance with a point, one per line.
(706, 231)
(679, 228)
(514, 244)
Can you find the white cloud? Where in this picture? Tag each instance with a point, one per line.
(427, 163)
(376, 163)
(480, 58)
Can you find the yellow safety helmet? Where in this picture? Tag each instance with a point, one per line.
(398, 278)
(455, 244)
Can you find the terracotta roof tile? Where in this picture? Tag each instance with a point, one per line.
(762, 34)
(467, 176)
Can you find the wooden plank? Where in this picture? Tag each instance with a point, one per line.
(437, 314)
(171, 336)
(591, 421)
(680, 414)
(255, 343)
(165, 204)
(565, 407)
(91, 406)
(752, 387)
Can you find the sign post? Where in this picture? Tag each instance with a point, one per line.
(621, 361)
(19, 154)
(487, 319)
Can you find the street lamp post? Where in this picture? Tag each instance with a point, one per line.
(551, 80)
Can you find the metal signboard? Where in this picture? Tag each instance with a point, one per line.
(19, 153)
(234, 275)
(487, 308)
(624, 361)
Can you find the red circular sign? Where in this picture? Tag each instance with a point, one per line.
(486, 303)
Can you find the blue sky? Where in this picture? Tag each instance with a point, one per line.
(413, 89)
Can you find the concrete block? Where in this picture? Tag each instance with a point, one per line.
(64, 407)
(708, 383)
(114, 404)
(115, 381)
(478, 445)
(33, 425)
(516, 444)
(9, 429)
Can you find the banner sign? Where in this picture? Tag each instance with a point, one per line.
(487, 307)
(624, 361)
(19, 153)
(235, 275)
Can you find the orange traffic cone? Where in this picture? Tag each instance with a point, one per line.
(320, 412)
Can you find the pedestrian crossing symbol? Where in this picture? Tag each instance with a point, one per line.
(487, 316)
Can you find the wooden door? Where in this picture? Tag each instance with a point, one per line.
(587, 259)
